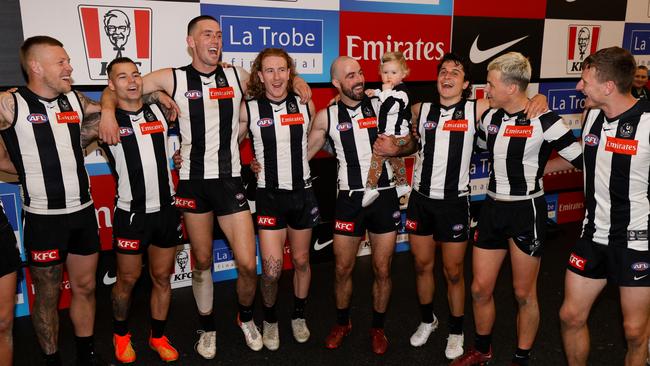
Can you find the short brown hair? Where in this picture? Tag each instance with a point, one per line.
(255, 85)
(119, 60)
(613, 64)
(30, 43)
(192, 24)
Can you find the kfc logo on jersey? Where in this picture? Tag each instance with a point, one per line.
(110, 32)
(411, 224)
(127, 244)
(577, 262)
(185, 203)
(44, 256)
(583, 41)
(268, 221)
(344, 226)
(193, 94)
(37, 118)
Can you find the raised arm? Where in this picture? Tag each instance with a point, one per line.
(317, 134)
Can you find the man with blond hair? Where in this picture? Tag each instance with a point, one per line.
(513, 216)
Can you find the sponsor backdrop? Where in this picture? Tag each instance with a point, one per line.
(556, 35)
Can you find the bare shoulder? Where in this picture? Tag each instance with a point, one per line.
(7, 110)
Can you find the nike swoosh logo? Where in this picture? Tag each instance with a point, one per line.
(477, 56)
(208, 83)
(638, 278)
(108, 280)
(278, 110)
(457, 235)
(318, 245)
(242, 204)
(354, 115)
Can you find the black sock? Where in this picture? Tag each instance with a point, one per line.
(269, 314)
(245, 313)
(426, 313)
(521, 357)
(52, 360)
(456, 324)
(298, 308)
(343, 316)
(157, 327)
(207, 323)
(120, 327)
(483, 342)
(85, 346)
(378, 319)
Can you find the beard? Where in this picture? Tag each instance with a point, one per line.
(351, 94)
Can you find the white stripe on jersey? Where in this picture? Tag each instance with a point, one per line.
(282, 143)
(430, 178)
(211, 121)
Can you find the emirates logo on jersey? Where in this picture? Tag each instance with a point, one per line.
(292, 119)
(222, 93)
(456, 125)
(68, 117)
(518, 131)
(370, 122)
(151, 127)
(621, 146)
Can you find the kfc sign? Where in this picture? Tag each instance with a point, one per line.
(578, 262)
(127, 244)
(423, 42)
(44, 256)
(344, 226)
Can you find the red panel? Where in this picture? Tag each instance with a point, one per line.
(570, 207)
(366, 37)
(102, 189)
(572, 42)
(90, 18)
(142, 31)
(535, 9)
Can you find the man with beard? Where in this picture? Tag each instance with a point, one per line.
(210, 185)
(351, 124)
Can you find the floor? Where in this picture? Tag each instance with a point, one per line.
(402, 319)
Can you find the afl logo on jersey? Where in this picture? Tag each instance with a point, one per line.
(265, 122)
(126, 131)
(430, 125)
(37, 118)
(345, 126)
(193, 94)
(493, 129)
(591, 140)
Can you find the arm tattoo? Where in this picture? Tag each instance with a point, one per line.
(89, 129)
(90, 106)
(7, 110)
(150, 98)
(271, 269)
(45, 315)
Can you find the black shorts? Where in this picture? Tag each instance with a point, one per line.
(277, 208)
(9, 254)
(382, 216)
(133, 232)
(49, 238)
(523, 221)
(447, 220)
(223, 196)
(621, 266)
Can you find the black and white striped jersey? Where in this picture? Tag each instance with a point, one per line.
(352, 132)
(209, 122)
(519, 149)
(279, 134)
(616, 176)
(447, 141)
(395, 111)
(44, 144)
(140, 162)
